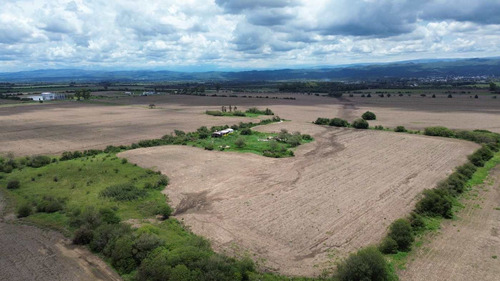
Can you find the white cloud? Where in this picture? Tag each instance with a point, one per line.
(173, 34)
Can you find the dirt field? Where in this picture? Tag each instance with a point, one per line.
(464, 249)
(297, 215)
(62, 126)
(30, 253)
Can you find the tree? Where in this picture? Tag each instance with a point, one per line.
(217, 87)
(366, 264)
(82, 93)
(360, 124)
(401, 232)
(493, 86)
(369, 116)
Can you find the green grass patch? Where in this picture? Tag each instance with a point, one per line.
(482, 172)
(257, 143)
(79, 184)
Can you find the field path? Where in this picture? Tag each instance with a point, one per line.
(30, 253)
(465, 248)
(298, 215)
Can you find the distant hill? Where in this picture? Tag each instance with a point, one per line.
(418, 68)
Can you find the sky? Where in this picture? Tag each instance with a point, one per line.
(202, 35)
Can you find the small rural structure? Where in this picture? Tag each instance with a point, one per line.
(48, 96)
(222, 133)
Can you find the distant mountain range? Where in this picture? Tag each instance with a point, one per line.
(404, 69)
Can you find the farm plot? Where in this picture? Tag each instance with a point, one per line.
(467, 248)
(298, 215)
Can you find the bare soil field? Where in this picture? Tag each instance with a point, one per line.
(30, 253)
(61, 126)
(298, 215)
(467, 248)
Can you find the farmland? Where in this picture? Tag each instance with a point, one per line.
(300, 215)
(296, 216)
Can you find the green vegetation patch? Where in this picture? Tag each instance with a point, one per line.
(98, 181)
(233, 111)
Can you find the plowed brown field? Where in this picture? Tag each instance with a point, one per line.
(297, 215)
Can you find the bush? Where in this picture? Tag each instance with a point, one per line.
(337, 122)
(239, 113)
(164, 210)
(306, 137)
(455, 183)
(369, 116)
(109, 216)
(416, 221)
(246, 131)
(436, 202)
(106, 233)
(214, 112)
(366, 264)
(400, 129)
(360, 124)
(388, 246)
(401, 231)
(481, 156)
(24, 210)
(122, 255)
(203, 132)
(322, 121)
(240, 142)
(379, 127)
(209, 146)
(439, 132)
(49, 205)
(144, 245)
(13, 184)
(467, 170)
(39, 161)
(83, 236)
(123, 192)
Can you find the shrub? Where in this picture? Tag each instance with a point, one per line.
(203, 132)
(209, 146)
(467, 170)
(388, 246)
(322, 121)
(106, 233)
(121, 256)
(416, 221)
(369, 116)
(164, 210)
(306, 137)
(246, 131)
(39, 161)
(123, 192)
(379, 127)
(239, 113)
(13, 184)
(83, 236)
(337, 122)
(360, 124)
(214, 112)
(366, 264)
(144, 245)
(109, 216)
(401, 231)
(49, 205)
(439, 132)
(436, 202)
(24, 210)
(455, 183)
(400, 129)
(240, 142)
(481, 156)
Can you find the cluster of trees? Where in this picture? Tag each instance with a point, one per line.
(255, 110)
(319, 87)
(360, 123)
(82, 94)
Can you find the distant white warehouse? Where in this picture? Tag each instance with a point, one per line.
(48, 96)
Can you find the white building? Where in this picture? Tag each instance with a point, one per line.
(48, 96)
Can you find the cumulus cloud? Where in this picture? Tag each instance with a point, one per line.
(194, 34)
